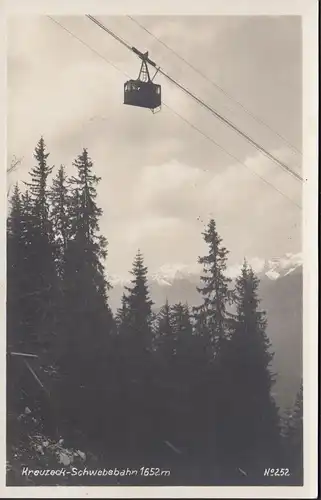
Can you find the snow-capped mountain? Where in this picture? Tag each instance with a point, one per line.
(167, 274)
(282, 266)
(115, 280)
(164, 276)
(170, 272)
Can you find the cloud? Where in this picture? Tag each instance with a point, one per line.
(256, 263)
(161, 182)
(161, 179)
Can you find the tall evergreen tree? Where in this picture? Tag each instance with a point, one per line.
(215, 290)
(87, 317)
(163, 374)
(213, 326)
(183, 377)
(85, 215)
(15, 268)
(40, 278)
(139, 303)
(293, 438)
(15, 318)
(30, 295)
(59, 201)
(137, 350)
(248, 425)
(165, 334)
(38, 187)
(121, 318)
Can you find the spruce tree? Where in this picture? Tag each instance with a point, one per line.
(293, 438)
(137, 352)
(213, 325)
(164, 413)
(248, 425)
(15, 269)
(215, 290)
(122, 316)
(40, 279)
(87, 248)
(87, 319)
(183, 377)
(139, 303)
(59, 214)
(16, 335)
(165, 335)
(38, 187)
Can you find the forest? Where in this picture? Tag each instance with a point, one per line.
(184, 393)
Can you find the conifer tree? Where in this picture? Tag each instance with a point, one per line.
(213, 324)
(163, 373)
(215, 290)
(59, 214)
(16, 336)
(184, 376)
(165, 334)
(38, 187)
(41, 276)
(137, 356)
(139, 303)
(87, 317)
(248, 424)
(122, 315)
(87, 247)
(28, 321)
(293, 438)
(15, 268)
(15, 214)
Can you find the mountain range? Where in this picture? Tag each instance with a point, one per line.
(281, 294)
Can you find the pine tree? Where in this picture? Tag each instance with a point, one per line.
(59, 214)
(183, 377)
(88, 248)
(163, 369)
(40, 277)
(212, 326)
(165, 334)
(15, 318)
(293, 438)
(137, 351)
(87, 319)
(15, 268)
(213, 314)
(38, 185)
(15, 214)
(26, 309)
(248, 424)
(122, 314)
(139, 303)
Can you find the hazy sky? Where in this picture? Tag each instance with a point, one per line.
(161, 179)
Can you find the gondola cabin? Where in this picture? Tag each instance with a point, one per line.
(142, 94)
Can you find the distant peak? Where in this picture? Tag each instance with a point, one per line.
(272, 268)
(283, 266)
(167, 273)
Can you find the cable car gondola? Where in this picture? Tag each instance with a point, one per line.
(142, 92)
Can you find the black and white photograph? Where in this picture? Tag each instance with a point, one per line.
(155, 251)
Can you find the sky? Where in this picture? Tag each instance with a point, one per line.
(161, 178)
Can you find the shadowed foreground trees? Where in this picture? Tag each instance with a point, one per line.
(185, 389)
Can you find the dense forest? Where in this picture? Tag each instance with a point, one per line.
(184, 392)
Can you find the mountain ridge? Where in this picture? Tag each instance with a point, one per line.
(272, 268)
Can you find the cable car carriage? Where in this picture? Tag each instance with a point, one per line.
(143, 92)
